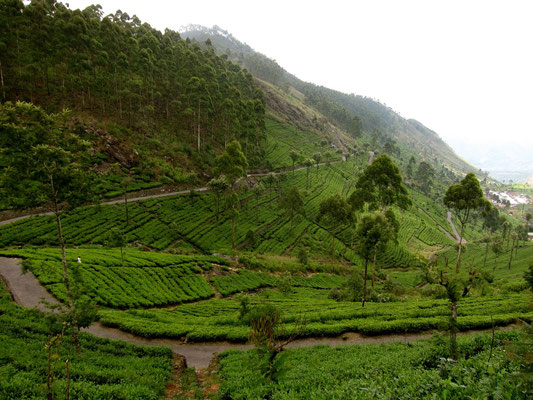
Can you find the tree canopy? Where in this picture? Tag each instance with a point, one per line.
(232, 163)
(380, 186)
(465, 197)
(42, 161)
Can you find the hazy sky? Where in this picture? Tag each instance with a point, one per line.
(462, 68)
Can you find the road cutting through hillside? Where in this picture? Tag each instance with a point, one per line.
(154, 196)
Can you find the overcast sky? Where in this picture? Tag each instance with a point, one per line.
(462, 68)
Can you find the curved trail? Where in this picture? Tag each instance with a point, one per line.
(454, 229)
(28, 292)
(439, 225)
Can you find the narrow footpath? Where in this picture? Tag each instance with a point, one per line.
(454, 229)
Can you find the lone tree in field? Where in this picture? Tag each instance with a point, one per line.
(456, 289)
(380, 186)
(336, 211)
(492, 220)
(308, 164)
(464, 198)
(373, 230)
(317, 157)
(218, 186)
(268, 333)
(45, 164)
(232, 163)
(295, 156)
(293, 205)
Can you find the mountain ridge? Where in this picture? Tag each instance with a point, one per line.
(373, 115)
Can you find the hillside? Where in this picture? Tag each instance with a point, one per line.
(287, 239)
(352, 113)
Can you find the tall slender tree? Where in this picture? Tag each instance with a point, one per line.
(464, 198)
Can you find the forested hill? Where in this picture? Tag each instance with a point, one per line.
(148, 100)
(353, 113)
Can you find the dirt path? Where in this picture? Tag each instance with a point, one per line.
(153, 196)
(25, 288)
(454, 229)
(440, 226)
(371, 157)
(27, 291)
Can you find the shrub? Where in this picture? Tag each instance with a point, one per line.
(352, 290)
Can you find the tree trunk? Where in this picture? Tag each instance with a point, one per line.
(75, 327)
(453, 330)
(364, 283)
(49, 376)
(486, 253)
(374, 265)
(233, 231)
(508, 239)
(65, 270)
(292, 238)
(199, 110)
(460, 248)
(2, 82)
(126, 205)
(67, 367)
(511, 256)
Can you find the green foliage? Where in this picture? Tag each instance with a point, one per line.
(528, 276)
(45, 162)
(351, 290)
(106, 369)
(395, 370)
(372, 231)
(218, 319)
(380, 186)
(144, 280)
(116, 68)
(465, 197)
(335, 210)
(232, 164)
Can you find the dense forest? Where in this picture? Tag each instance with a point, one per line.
(117, 69)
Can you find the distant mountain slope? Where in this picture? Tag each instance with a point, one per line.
(343, 110)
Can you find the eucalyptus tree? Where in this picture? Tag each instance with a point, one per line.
(308, 164)
(218, 187)
(373, 230)
(295, 156)
(293, 204)
(317, 157)
(335, 211)
(493, 221)
(464, 198)
(380, 186)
